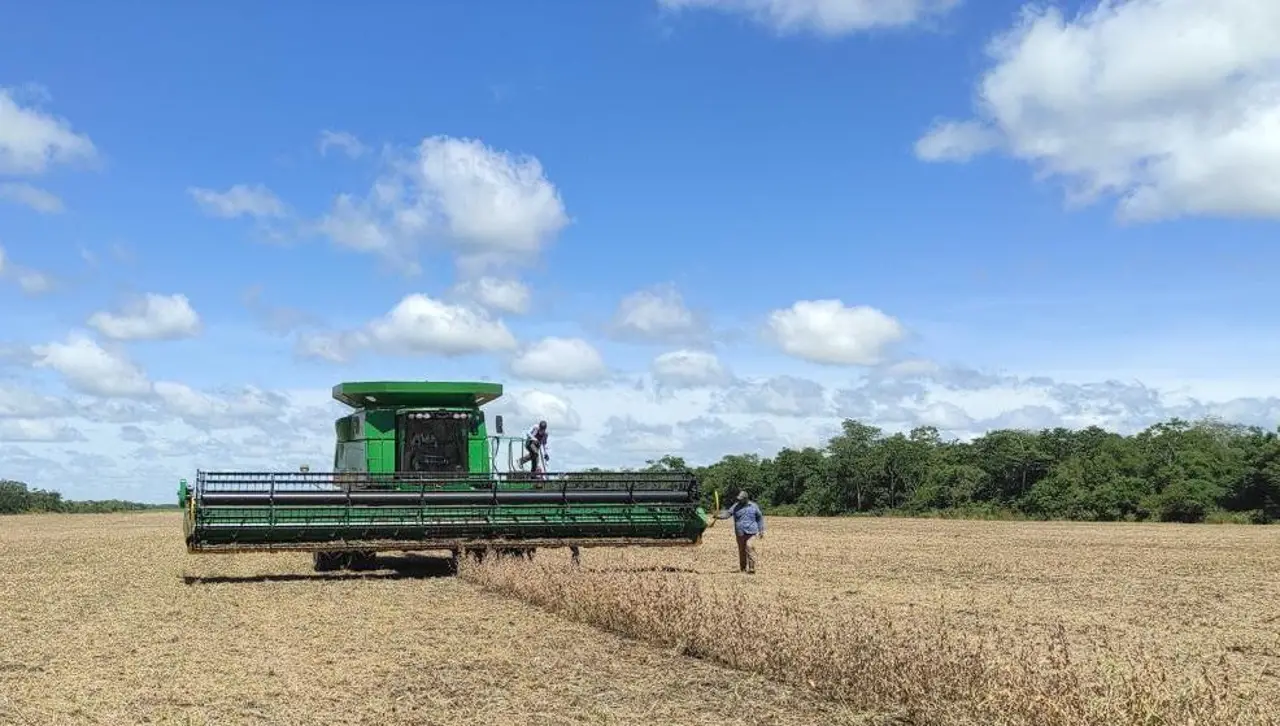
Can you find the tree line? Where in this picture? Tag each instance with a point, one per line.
(1175, 471)
(17, 498)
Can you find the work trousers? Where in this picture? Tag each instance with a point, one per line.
(531, 449)
(746, 553)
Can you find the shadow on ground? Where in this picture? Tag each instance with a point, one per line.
(385, 568)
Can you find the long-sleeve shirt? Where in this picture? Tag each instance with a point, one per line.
(747, 518)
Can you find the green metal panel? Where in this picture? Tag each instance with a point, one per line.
(380, 423)
(399, 394)
(478, 451)
(250, 526)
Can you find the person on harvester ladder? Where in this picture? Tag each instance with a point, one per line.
(535, 446)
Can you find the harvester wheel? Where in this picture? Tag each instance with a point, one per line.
(362, 561)
(326, 561)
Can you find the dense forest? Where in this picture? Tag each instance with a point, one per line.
(1177, 471)
(17, 498)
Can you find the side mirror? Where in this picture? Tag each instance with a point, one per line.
(497, 423)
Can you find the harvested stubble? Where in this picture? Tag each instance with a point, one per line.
(99, 626)
(959, 622)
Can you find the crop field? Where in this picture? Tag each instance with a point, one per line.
(105, 619)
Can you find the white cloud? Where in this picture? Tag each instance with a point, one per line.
(913, 367)
(90, 368)
(420, 324)
(688, 368)
(824, 17)
(204, 410)
(241, 200)
(560, 360)
(631, 436)
(956, 141)
(777, 396)
(521, 408)
(153, 317)
(1170, 106)
(38, 431)
(337, 347)
(657, 314)
(417, 325)
(31, 140)
(488, 206)
(34, 283)
(343, 141)
(507, 296)
(29, 196)
(21, 402)
(31, 282)
(826, 331)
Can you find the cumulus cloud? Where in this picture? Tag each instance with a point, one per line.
(417, 325)
(657, 314)
(89, 368)
(823, 17)
(38, 431)
(31, 282)
(627, 434)
(206, 410)
(29, 196)
(560, 360)
(521, 408)
(241, 200)
(688, 368)
(152, 317)
(956, 141)
(490, 207)
(18, 401)
(421, 324)
(829, 332)
(32, 140)
(1172, 107)
(505, 296)
(342, 141)
(777, 396)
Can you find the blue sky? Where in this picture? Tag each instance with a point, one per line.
(722, 160)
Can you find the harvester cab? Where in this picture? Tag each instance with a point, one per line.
(414, 469)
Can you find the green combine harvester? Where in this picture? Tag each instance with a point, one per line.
(414, 469)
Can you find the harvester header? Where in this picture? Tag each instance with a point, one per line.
(415, 468)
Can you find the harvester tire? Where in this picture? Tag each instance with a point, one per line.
(327, 561)
(361, 561)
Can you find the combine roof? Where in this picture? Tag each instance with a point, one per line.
(414, 394)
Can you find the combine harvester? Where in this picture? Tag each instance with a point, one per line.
(414, 469)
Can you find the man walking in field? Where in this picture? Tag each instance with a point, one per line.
(748, 522)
